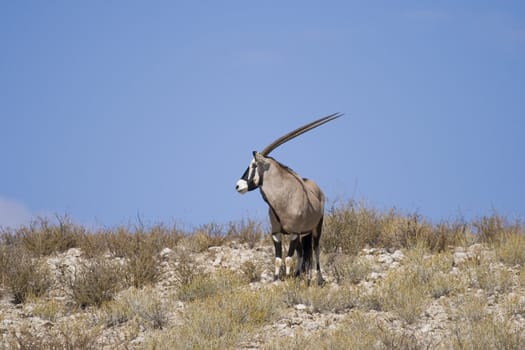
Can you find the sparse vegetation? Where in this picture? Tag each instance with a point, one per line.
(93, 283)
(390, 276)
(23, 275)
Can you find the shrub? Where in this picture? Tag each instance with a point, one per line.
(122, 241)
(249, 232)
(185, 269)
(219, 322)
(400, 293)
(75, 334)
(347, 268)
(407, 291)
(319, 299)
(511, 249)
(141, 263)
(22, 274)
(489, 332)
(494, 228)
(145, 305)
(350, 228)
(205, 285)
(93, 282)
(251, 271)
(204, 237)
(448, 234)
(50, 309)
(42, 238)
(357, 331)
(483, 274)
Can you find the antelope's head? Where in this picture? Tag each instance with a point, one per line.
(252, 177)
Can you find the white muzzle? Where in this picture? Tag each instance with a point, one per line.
(242, 186)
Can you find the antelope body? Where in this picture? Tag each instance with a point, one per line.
(296, 204)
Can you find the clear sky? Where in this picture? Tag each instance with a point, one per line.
(113, 109)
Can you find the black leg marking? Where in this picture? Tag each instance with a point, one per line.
(307, 255)
(299, 248)
(317, 238)
(278, 245)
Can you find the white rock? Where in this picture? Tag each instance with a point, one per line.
(385, 259)
(300, 307)
(74, 252)
(459, 257)
(398, 255)
(166, 253)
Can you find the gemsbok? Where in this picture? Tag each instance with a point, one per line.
(296, 204)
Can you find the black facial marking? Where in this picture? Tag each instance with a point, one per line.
(249, 179)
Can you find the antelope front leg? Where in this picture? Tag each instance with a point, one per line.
(289, 256)
(277, 242)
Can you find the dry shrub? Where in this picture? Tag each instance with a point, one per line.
(489, 332)
(204, 237)
(141, 267)
(494, 228)
(349, 228)
(347, 269)
(485, 274)
(432, 271)
(511, 249)
(449, 234)
(400, 293)
(359, 331)
(206, 285)
(249, 232)
(93, 282)
(49, 309)
(121, 240)
(144, 305)
(356, 332)
(352, 226)
(319, 299)
(76, 334)
(140, 249)
(414, 231)
(251, 271)
(425, 265)
(185, 269)
(515, 305)
(42, 238)
(407, 291)
(22, 274)
(219, 322)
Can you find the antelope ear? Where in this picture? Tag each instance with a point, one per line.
(260, 159)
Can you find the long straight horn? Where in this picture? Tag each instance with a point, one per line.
(299, 131)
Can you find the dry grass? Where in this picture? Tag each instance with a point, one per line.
(407, 292)
(220, 322)
(43, 238)
(143, 305)
(356, 332)
(121, 281)
(247, 231)
(319, 299)
(347, 268)
(206, 285)
(511, 249)
(77, 334)
(352, 226)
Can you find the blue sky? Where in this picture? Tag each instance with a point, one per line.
(113, 109)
